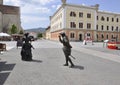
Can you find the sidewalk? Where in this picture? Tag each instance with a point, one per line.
(97, 50)
(9, 44)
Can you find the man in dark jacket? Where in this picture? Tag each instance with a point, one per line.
(66, 48)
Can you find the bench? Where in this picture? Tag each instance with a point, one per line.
(2, 47)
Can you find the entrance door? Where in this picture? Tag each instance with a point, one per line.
(80, 37)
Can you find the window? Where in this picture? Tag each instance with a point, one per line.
(97, 36)
(102, 18)
(88, 26)
(88, 34)
(80, 14)
(88, 15)
(72, 35)
(112, 19)
(117, 29)
(107, 28)
(112, 28)
(72, 25)
(97, 17)
(107, 18)
(102, 36)
(73, 14)
(112, 36)
(102, 27)
(80, 25)
(107, 36)
(117, 20)
(97, 27)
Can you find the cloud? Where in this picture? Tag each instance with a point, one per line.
(53, 6)
(43, 9)
(34, 21)
(32, 9)
(34, 12)
(21, 2)
(56, 6)
(29, 6)
(43, 2)
(13, 2)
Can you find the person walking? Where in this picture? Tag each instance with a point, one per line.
(66, 48)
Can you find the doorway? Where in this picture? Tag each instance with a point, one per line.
(80, 37)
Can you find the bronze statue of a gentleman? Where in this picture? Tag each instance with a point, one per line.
(66, 48)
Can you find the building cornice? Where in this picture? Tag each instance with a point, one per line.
(95, 7)
(107, 12)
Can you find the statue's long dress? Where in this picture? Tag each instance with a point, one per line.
(26, 52)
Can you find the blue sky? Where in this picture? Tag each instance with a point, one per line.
(35, 13)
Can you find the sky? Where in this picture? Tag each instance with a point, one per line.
(35, 13)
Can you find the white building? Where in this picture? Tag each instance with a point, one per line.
(79, 21)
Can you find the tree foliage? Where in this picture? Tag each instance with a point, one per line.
(40, 35)
(13, 29)
(21, 32)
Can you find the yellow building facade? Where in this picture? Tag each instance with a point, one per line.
(80, 22)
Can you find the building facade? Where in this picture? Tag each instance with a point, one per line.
(47, 33)
(80, 22)
(9, 15)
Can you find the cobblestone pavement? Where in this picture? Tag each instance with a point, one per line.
(94, 65)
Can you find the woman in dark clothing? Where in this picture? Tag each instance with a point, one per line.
(26, 49)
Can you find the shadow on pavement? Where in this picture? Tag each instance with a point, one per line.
(78, 67)
(37, 61)
(4, 68)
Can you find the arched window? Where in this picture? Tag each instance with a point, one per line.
(112, 28)
(117, 28)
(107, 27)
(117, 20)
(72, 25)
(97, 36)
(112, 36)
(102, 18)
(96, 27)
(102, 36)
(102, 27)
(88, 34)
(72, 14)
(72, 35)
(107, 36)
